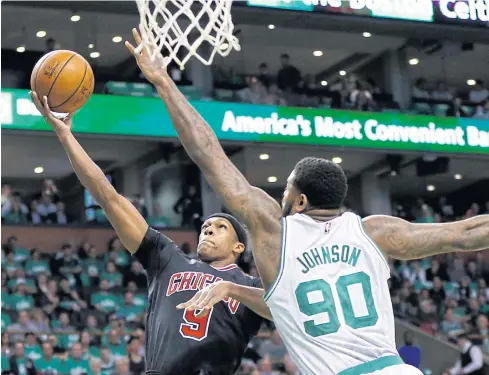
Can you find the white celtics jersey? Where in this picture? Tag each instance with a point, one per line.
(331, 302)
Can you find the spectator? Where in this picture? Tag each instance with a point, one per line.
(360, 98)
(445, 208)
(427, 317)
(104, 301)
(89, 351)
(121, 366)
(471, 359)
(48, 363)
(441, 92)
(136, 360)
(53, 340)
(75, 364)
(263, 75)
(436, 270)
(107, 361)
(20, 300)
(254, 93)
(189, 205)
(456, 109)
(41, 322)
(288, 76)
(31, 347)
(23, 325)
(274, 96)
(117, 254)
(273, 347)
(265, 366)
(70, 300)
(290, 367)
(129, 310)
(437, 293)
(420, 89)
(479, 93)
(61, 217)
(14, 211)
(410, 353)
(45, 210)
(20, 364)
(451, 326)
(457, 271)
(418, 274)
(111, 274)
(92, 265)
(136, 274)
(480, 334)
(116, 344)
(482, 111)
(36, 265)
(49, 298)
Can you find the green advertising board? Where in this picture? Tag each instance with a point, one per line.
(143, 116)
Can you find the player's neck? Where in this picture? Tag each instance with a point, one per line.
(222, 263)
(322, 215)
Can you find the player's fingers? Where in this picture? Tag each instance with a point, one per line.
(136, 35)
(185, 305)
(37, 102)
(205, 311)
(47, 110)
(131, 48)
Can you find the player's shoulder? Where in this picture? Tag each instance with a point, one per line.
(241, 277)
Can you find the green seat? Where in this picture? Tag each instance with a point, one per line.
(140, 89)
(422, 108)
(441, 109)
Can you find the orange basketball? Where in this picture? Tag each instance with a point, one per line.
(65, 77)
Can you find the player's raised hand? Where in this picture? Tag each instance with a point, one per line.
(153, 69)
(206, 298)
(58, 125)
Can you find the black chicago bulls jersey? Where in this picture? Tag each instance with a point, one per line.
(178, 343)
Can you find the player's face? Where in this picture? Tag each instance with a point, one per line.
(218, 241)
(292, 201)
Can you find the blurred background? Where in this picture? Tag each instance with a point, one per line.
(397, 96)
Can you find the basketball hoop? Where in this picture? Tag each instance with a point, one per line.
(181, 27)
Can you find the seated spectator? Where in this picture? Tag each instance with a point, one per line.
(255, 93)
(288, 76)
(111, 274)
(20, 277)
(92, 265)
(117, 254)
(89, 350)
(465, 291)
(136, 274)
(23, 325)
(49, 298)
(20, 300)
(479, 93)
(104, 300)
(471, 358)
(136, 360)
(457, 271)
(31, 346)
(441, 92)
(107, 361)
(140, 298)
(36, 265)
(122, 366)
(61, 216)
(274, 96)
(75, 364)
(451, 326)
(44, 210)
(129, 310)
(456, 109)
(436, 270)
(437, 293)
(53, 340)
(10, 266)
(70, 300)
(273, 347)
(418, 275)
(410, 353)
(482, 111)
(266, 366)
(14, 211)
(115, 342)
(91, 325)
(20, 364)
(48, 363)
(427, 317)
(420, 89)
(40, 320)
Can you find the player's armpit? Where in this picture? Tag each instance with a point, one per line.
(401, 239)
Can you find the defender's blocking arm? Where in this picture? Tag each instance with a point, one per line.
(260, 212)
(401, 239)
(126, 220)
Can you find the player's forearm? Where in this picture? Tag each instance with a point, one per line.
(475, 234)
(252, 298)
(197, 137)
(89, 173)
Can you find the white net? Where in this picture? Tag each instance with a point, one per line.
(181, 29)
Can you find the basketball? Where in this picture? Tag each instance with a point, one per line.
(66, 78)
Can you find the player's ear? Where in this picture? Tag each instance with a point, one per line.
(239, 248)
(302, 203)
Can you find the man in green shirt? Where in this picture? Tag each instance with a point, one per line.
(20, 300)
(20, 364)
(75, 364)
(104, 300)
(129, 310)
(107, 361)
(32, 347)
(116, 344)
(111, 274)
(48, 362)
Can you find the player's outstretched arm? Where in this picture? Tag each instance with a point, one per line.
(214, 293)
(401, 239)
(126, 220)
(260, 212)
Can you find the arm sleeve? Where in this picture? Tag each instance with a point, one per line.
(156, 250)
(256, 282)
(477, 360)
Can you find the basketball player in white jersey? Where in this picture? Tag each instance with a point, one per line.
(324, 272)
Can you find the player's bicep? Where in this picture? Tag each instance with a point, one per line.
(128, 223)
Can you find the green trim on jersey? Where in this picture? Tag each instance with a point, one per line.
(375, 365)
(282, 260)
(373, 243)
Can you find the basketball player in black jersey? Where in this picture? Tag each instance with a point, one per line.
(179, 341)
